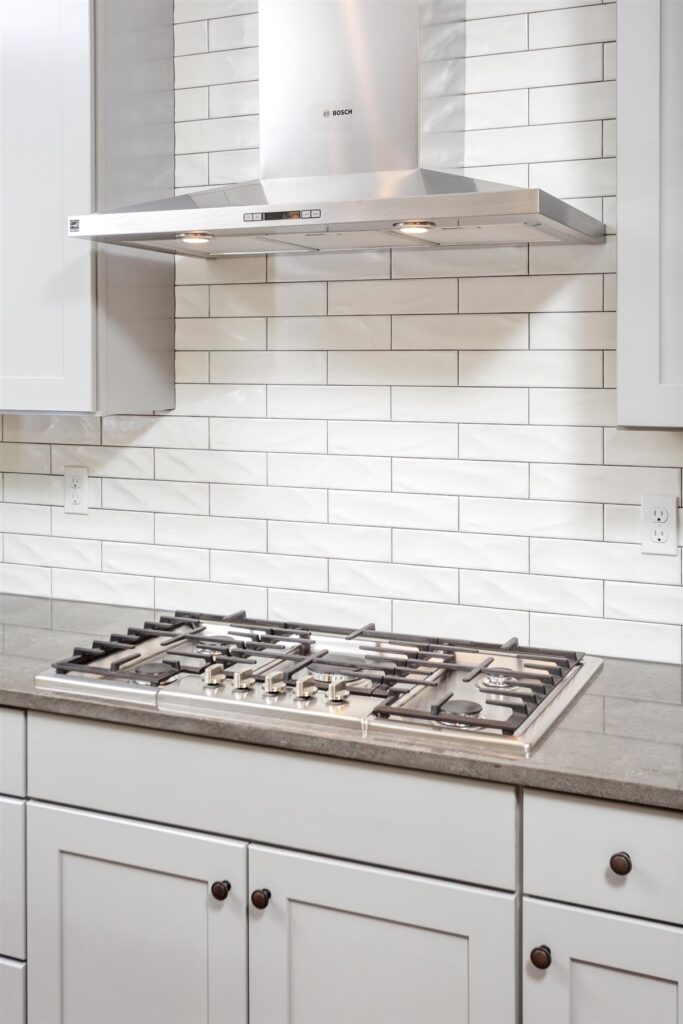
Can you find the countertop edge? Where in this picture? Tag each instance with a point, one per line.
(515, 772)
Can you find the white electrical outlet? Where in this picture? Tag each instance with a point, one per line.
(659, 520)
(76, 489)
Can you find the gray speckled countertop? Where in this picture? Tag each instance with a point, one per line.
(622, 739)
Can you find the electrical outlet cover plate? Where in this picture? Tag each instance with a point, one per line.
(76, 490)
(659, 524)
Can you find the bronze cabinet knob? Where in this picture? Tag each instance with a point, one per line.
(220, 890)
(260, 898)
(620, 863)
(541, 958)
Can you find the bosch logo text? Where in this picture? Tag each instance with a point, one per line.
(341, 112)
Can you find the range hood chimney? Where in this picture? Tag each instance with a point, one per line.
(339, 147)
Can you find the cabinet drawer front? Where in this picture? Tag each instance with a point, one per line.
(12, 992)
(413, 821)
(12, 752)
(569, 842)
(12, 878)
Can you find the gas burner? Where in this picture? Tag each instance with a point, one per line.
(360, 678)
(500, 680)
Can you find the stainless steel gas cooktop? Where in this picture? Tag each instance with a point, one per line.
(438, 690)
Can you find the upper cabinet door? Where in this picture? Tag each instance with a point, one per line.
(345, 942)
(604, 968)
(46, 279)
(123, 926)
(650, 213)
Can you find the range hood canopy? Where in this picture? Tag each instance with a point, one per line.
(339, 143)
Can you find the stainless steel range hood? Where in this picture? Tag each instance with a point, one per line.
(339, 148)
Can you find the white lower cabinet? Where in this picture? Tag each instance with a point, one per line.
(12, 991)
(123, 927)
(604, 968)
(340, 942)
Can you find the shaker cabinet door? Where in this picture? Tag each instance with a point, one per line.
(344, 942)
(123, 927)
(46, 279)
(650, 214)
(604, 968)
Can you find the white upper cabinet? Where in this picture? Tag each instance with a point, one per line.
(650, 213)
(86, 122)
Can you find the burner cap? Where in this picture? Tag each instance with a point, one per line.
(499, 679)
(462, 707)
(330, 677)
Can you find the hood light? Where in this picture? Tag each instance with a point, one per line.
(414, 227)
(195, 237)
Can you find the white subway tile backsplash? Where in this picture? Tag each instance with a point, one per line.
(432, 440)
(531, 593)
(393, 368)
(390, 579)
(464, 262)
(552, 293)
(220, 333)
(461, 550)
(644, 602)
(155, 496)
(353, 472)
(457, 476)
(463, 331)
(431, 511)
(584, 406)
(426, 295)
(234, 32)
(211, 466)
(535, 143)
(293, 503)
(572, 330)
(613, 484)
(573, 26)
(326, 333)
(211, 532)
(268, 367)
(156, 560)
(52, 551)
(460, 405)
(460, 621)
(602, 560)
(411, 437)
(531, 369)
(609, 637)
(221, 598)
(643, 447)
(560, 103)
(338, 403)
(329, 609)
(531, 443)
(269, 570)
(269, 435)
(326, 540)
(579, 520)
(155, 431)
(291, 299)
(526, 69)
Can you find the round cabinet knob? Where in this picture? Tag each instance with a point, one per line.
(621, 863)
(220, 890)
(260, 898)
(541, 958)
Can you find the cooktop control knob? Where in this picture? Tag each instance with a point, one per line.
(242, 679)
(336, 692)
(305, 688)
(214, 675)
(274, 683)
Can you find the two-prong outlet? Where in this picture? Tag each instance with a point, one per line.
(76, 489)
(659, 533)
